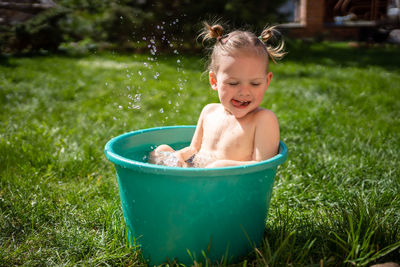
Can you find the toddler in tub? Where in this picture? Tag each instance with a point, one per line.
(236, 131)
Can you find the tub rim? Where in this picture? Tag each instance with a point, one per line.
(124, 162)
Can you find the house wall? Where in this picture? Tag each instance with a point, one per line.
(312, 24)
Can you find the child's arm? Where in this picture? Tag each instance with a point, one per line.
(267, 136)
(227, 163)
(185, 153)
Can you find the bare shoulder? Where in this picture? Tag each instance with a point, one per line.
(210, 108)
(266, 116)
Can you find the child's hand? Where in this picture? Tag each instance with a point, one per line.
(181, 162)
(217, 164)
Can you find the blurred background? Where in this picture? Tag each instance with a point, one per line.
(82, 25)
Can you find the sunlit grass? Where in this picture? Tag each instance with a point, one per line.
(335, 201)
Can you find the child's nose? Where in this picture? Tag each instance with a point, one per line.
(244, 90)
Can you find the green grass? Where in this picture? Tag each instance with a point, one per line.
(336, 201)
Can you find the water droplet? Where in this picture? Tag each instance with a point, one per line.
(137, 97)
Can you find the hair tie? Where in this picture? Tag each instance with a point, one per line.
(260, 37)
(223, 38)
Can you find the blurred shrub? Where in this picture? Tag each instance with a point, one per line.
(124, 23)
(40, 32)
(78, 48)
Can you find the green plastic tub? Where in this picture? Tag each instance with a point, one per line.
(186, 213)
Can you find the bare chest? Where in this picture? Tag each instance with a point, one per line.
(228, 138)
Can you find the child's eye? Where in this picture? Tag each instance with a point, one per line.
(233, 83)
(255, 84)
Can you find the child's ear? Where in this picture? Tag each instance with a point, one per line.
(213, 80)
(269, 78)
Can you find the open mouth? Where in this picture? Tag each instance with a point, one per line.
(239, 103)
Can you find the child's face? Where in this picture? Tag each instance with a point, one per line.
(241, 82)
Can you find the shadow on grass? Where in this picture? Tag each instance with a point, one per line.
(344, 54)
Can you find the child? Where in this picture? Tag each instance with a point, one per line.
(236, 131)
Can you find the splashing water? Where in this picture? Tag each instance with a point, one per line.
(148, 71)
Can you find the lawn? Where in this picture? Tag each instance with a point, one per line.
(336, 201)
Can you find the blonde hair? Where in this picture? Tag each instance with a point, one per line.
(227, 44)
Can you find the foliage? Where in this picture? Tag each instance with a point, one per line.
(41, 32)
(125, 23)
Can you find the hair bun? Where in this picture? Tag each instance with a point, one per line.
(268, 33)
(275, 52)
(211, 32)
(216, 31)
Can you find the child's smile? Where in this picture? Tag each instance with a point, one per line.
(240, 104)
